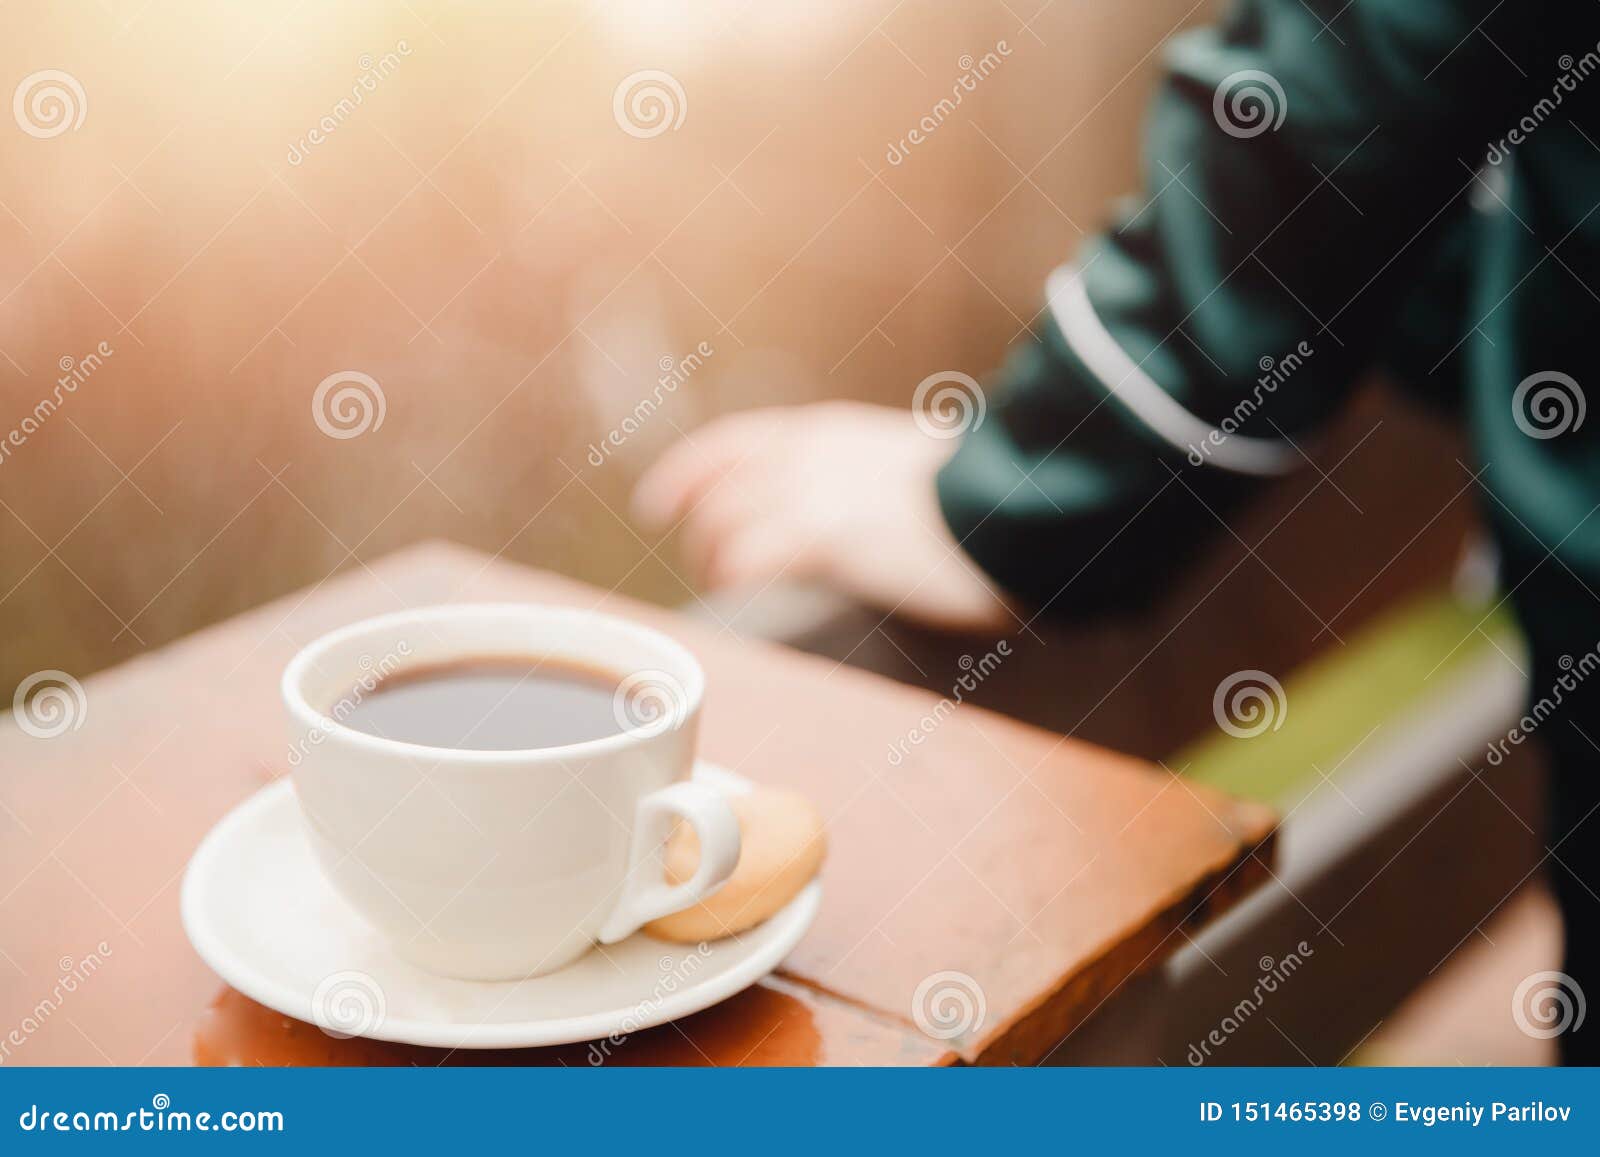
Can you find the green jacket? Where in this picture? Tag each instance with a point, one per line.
(1414, 186)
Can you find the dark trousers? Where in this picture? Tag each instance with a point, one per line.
(1573, 838)
(1561, 619)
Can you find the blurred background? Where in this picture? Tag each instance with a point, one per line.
(304, 283)
(481, 237)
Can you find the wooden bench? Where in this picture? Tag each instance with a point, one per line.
(1047, 871)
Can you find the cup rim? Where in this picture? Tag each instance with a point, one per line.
(310, 719)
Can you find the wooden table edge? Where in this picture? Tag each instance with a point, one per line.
(1039, 1029)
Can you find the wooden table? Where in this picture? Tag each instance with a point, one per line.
(1045, 870)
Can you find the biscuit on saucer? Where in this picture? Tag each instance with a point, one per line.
(781, 848)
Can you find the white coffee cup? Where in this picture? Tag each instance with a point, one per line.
(494, 865)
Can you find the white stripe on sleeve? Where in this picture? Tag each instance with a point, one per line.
(1122, 376)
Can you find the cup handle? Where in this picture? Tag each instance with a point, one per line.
(647, 897)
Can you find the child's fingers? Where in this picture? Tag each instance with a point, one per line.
(665, 491)
(686, 471)
(720, 514)
(756, 555)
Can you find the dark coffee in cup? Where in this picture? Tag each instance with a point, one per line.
(493, 703)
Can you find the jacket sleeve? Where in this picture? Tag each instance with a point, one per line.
(1295, 174)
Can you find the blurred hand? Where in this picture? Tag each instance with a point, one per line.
(839, 493)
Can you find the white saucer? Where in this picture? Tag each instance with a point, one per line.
(258, 910)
